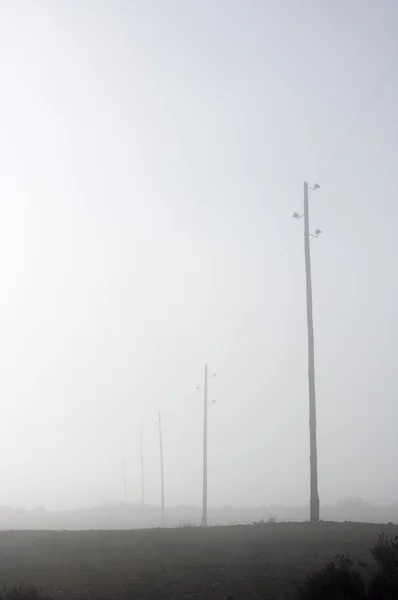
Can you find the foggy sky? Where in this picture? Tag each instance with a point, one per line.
(152, 153)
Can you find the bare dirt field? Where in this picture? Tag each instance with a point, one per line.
(264, 561)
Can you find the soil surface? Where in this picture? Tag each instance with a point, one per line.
(248, 561)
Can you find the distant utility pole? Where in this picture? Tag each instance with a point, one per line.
(124, 476)
(161, 468)
(204, 501)
(205, 405)
(142, 469)
(314, 497)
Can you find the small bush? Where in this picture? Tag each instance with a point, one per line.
(270, 520)
(186, 525)
(385, 553)
(336, 580)
(384, 583)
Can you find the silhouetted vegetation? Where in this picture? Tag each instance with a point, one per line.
(186, 525)
(341, 579)
(335, 580)
(270, 520)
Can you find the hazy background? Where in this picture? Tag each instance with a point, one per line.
(152, 153)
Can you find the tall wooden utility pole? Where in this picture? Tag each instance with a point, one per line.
(204, 502)
(142, 470)
(161, 469)
(314, 497)
(205, 406)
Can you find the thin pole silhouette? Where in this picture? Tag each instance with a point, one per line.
(161, 469)
(124, 476)
(142, 469)
(314, 497)
(204, 501)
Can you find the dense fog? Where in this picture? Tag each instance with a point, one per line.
(152, 153)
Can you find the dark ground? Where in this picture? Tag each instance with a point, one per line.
(263, 561)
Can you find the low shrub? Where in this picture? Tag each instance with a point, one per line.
(335, 580)
(186, 525)
(339, 580)
(270, 520)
